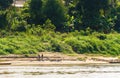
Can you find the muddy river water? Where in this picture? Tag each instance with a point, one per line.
(74, 71)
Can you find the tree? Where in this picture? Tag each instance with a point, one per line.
(5, 3)
(117, 14)
(56, 12)
(15, 20)
(94, 14)
(3, 21)
(70, 4)
(36, 12)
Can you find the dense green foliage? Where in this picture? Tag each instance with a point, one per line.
(25, 43)
(5, 4)
(55, 11)
(68, 26)
(91, 16)
(65, 15)
(36, 14)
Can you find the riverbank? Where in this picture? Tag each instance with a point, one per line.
(50, 58)
(49, 63)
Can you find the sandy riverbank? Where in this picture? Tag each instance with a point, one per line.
(44, 63)
(55, 59)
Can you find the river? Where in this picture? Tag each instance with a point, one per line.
(83, 71)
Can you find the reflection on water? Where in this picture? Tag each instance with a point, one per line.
(86, 71)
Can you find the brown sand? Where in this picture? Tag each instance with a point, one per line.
(55, 59)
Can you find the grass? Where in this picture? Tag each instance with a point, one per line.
(71, 43)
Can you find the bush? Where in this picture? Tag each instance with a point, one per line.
(75, 44)
(90, 44)
(58, 46)
(48, 25)
(23, 43)
(36, 30)
(102, 36)
(3, 52)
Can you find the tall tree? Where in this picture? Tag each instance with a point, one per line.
(117, 13)
(36, 14)
(94, 13)
(3, 21)
(70, 4)
(56, 12)
(5, 3)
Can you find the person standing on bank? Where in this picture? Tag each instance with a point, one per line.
(38, 57)
(42, 57)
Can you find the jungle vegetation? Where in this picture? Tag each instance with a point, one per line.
(66, 26)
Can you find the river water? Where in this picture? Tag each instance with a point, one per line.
(83, 71)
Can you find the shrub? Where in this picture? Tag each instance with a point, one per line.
(3, 52)
(102, 36)
(75, 44)
(58, 46)
(36, 30)
(48, 25)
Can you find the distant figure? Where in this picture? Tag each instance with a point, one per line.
(42, 57)
(38, 57)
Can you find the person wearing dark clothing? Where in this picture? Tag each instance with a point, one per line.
(38, 57)
(42, 57)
